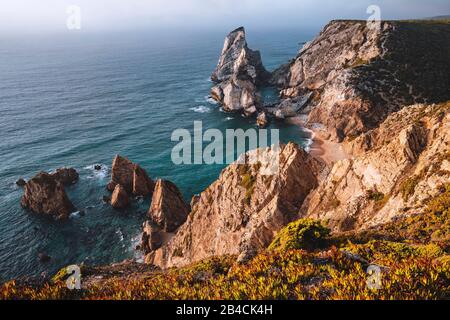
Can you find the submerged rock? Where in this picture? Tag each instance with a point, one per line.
(168, 209)
(21, 182)
(43, 257)
(45, 194)
(120, 198)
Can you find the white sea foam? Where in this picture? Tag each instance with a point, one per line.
(211, 100)
(75, 214)
(310, 140)
(138, 255)
(200, 109)
(98, 174)
(229, 118)
(120, 234)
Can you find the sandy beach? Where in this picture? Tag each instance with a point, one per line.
(328, 151)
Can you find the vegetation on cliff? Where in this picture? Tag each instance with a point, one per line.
(307, 264)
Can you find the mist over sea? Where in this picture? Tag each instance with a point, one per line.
(77, 100)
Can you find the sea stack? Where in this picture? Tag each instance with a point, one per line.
(238, 75)
(131, 177)
(45, 194)
(168, 209)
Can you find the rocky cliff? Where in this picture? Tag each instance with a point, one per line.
(395, 170)
(353, 75)
(242, 211)
(358, 83)
(382, 94)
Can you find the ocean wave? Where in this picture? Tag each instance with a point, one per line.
(97, 174)
(75, 214)
(309, 141)
(229, 118)
(120, 234)
(211, 100)
(200, 109)
(138, 255)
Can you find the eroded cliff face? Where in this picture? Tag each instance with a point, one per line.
(354, 75)
(242, 211)
(395, 169)
(358, 85)
(238, 74)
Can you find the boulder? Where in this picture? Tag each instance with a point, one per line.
(168, 209)
(120, 198)
(45, 194)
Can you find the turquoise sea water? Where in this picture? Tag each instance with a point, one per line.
(77, 101)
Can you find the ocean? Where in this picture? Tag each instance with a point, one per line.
(78, 99)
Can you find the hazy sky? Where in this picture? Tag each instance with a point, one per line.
(98, 15)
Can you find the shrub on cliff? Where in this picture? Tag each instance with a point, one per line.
(301, 234)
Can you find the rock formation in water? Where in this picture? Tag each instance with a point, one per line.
(243, 209)
(131, 177)
(238, 74)
(168, 209)
(120, 198)
(354, 74)
(66, 176)
(45, 194)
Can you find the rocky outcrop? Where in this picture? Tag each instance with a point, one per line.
(168, 209)
(66, 176)
(120, 198)
(395, 169)
(152, 237)
(357, 74)
(241, 212)
(262, 120)
(131, 177)
(45, 194)
(21, 182)
(238, 74)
